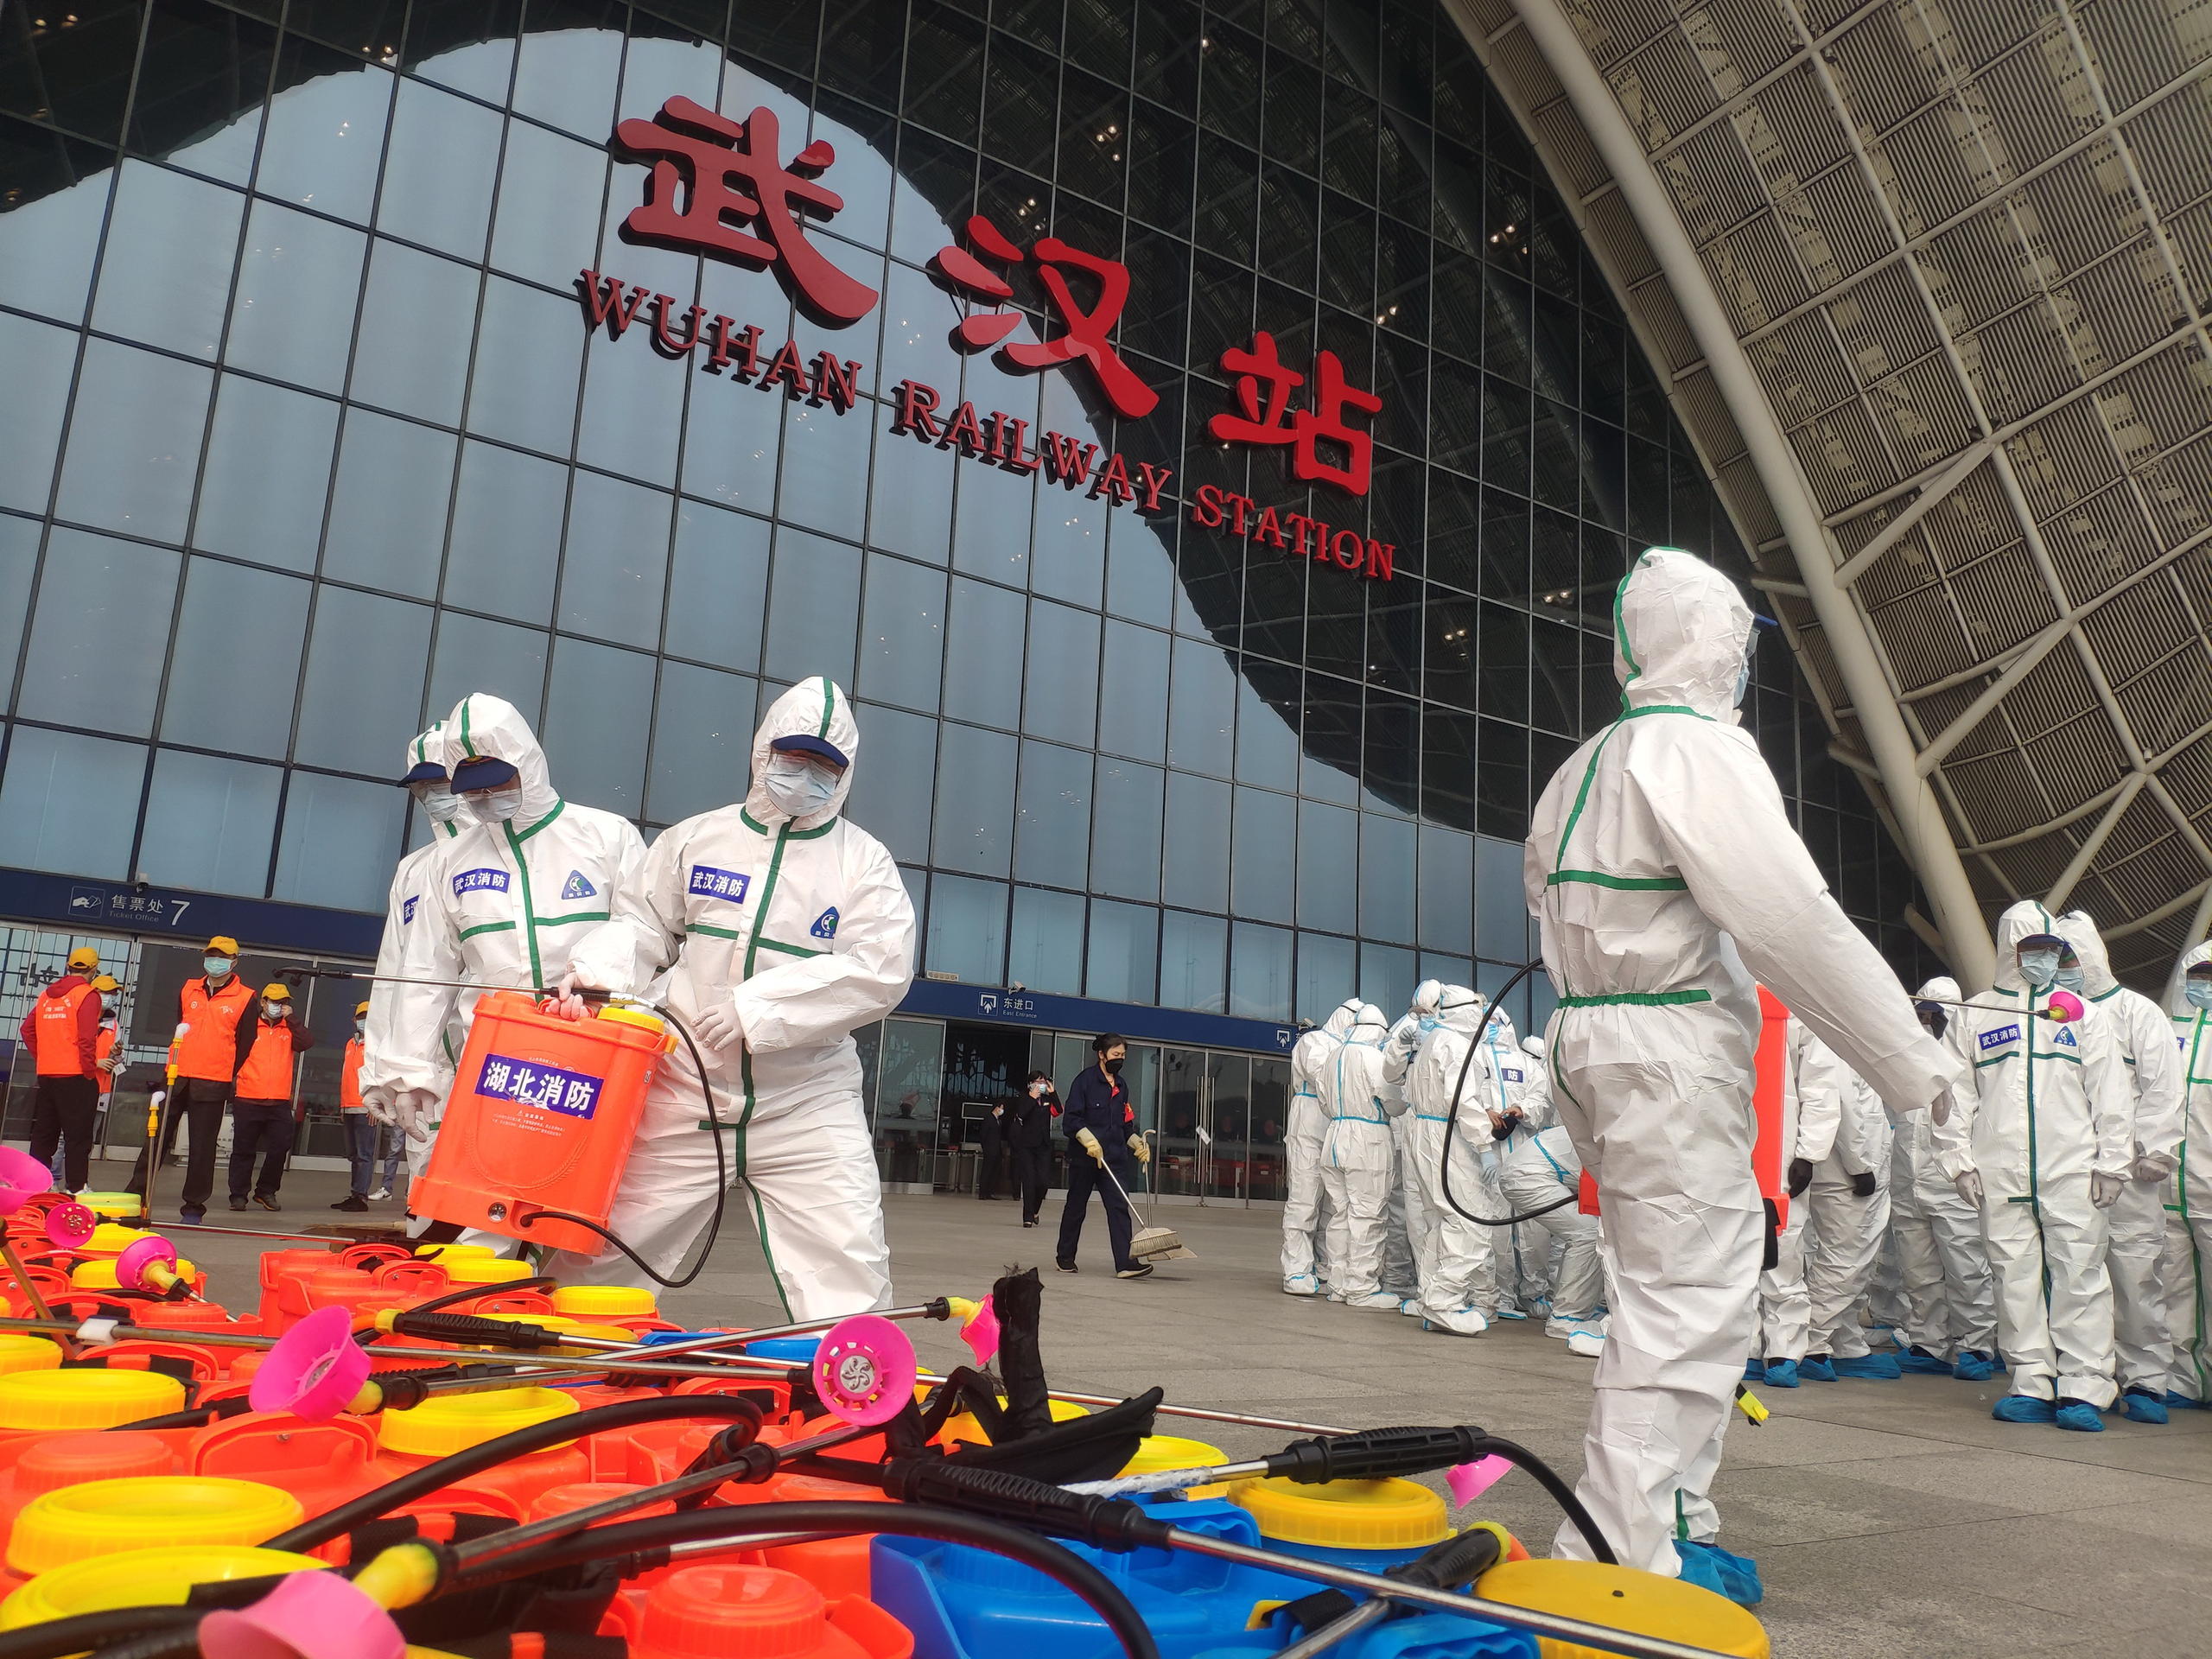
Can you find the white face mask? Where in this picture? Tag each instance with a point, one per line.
(440, 803)
(494, 807)
(273, 1010)
(2038, 967)
(2198, 991)
(798, 788)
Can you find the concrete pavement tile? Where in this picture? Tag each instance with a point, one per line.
(2012, 1484)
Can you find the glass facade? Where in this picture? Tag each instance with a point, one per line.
(306, 434)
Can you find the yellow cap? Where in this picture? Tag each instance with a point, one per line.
(276, 991)
(23, 1353)
(221, 946)
(1623, 1598)
(98, 1517)
(452, 1252)
(485, 1270)
(360, 1008)
(54, 1401)
(107, 982)
(110, 1239)
(453, 1422)
(99, 1273)
(140, 1578)
(84, 957)
(110, 1203)
(1345, 1513)
(604, 1302)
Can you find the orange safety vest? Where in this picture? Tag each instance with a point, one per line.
(54, 1032)
(103, 1046)
(208, 1051)
(267, 1073)
(349, 1076)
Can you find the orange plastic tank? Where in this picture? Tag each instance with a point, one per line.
(714, 1612)
(836, 1567)
(541, 1117)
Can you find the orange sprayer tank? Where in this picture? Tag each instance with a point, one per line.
(542, 1115)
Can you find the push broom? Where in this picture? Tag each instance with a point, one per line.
(1152, 1242)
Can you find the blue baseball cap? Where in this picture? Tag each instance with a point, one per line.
(806, 743)
(482, 772)
(423, 771)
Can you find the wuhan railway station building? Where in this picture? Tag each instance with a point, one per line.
(1204, 439)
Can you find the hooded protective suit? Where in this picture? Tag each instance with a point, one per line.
(803, 928)
(509, 903)
(1542, 1170)
(2137, 1223)
(1356, 1156)
(1407, 1204)
(397, 954)
(1659, 836)
(1950, 1301)
(2185, 1270)
(1522, 1275)
(1303, 1136)
(1846, 1227)
(2049, 1106)
(1459, 1292)
(1809, 1115)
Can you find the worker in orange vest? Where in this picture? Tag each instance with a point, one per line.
(260, 1109)
(360, 1128)
(214, 1033)
(61, 1032)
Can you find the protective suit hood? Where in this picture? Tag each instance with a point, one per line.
(1533, 1046)
(2177, 1005)
(427, 748)
(1941, 989)
(484, 726)
(1461, 1009)
(1426, 995)
(1680, 632)
(1341, 1018)
(814, 708)
(1371, 1026)
(2080, 932)
(2019, 922)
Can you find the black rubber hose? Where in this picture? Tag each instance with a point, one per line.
(1562, 1493)
(1451, 1118)
(837, 1520)
(420, 1483)
(58, 1638)
(180, 1642)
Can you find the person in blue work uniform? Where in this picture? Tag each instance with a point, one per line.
(1101, 1121)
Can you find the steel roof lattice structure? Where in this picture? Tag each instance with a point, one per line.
(1931, 280)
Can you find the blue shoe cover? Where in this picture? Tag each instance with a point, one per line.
(1973, 1367)
(2182, 1402)
(2025, 1408)
(1754, 1370)
(1816, 1370)
(1781, 1374)
(2079, 1416)
(1711, 1568)
(2142, 1407)
(1868, 1367)
(1921, 1362)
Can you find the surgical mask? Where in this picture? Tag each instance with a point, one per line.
(2198, 991)
(1036, 1092)
(440, 805)
(217, 967)
(273, 1010)
(360, 1026)
(2039, 968)
(1427, 1022)
(494, 807)
(798, 788)
(2071, 978)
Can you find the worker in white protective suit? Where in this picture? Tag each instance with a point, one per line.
(1356, 1162)
(2185, 1269)
(1811, 1107)
(527, 877)
(1407, 1201)
(1543, 1169)
(2042, 1139)
(2143, 1347)
(1950, 1300)
(1512, 1108)
(775, 928)
(400, 953)
(1660, 836)
(1848, 1210)
(1459, 1289)
(1537, 1101)
(1304, 1229)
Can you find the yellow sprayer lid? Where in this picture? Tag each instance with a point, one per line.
(1623, 1598)
(23, 1353)
(140, 1578)
(604, 1302)
(1345, 1513)
(1158, 1453)
(450, 1253)
(453, 1422)
(111, 1238)
(641, 1018)
(98, 1517)
(485, 1270)
(99, 1273)
(54, 1401)
(111, 1205)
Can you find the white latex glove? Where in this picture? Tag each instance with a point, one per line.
(716, 1025)
(413, 1110)
(567, 1002)
(1969, 1186)
(2152, 1166)
(378, 1098)
(1088, 1142)
(2105, 1190)
(1143, 1152)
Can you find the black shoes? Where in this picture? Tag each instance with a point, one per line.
(1065, 1267)
(354, 1202)
(237, 1203)
(194, 1218)
(1142, 1270)
(266, 1202)
(1029, 1221)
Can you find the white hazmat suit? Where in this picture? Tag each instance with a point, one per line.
(2185, 1269)
(802, 929)
(1544, 1168)
(1950, 1301)
(1304, 1137)
(2143, 1347)
(1356, 1157)
(1458, 1286)
(1847, 1222)
(2048, 1111)
(1658, 837)
(1810, 1110)
(1398, 1050)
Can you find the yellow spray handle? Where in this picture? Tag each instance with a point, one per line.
(400, 1576)
(1750, 1405)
